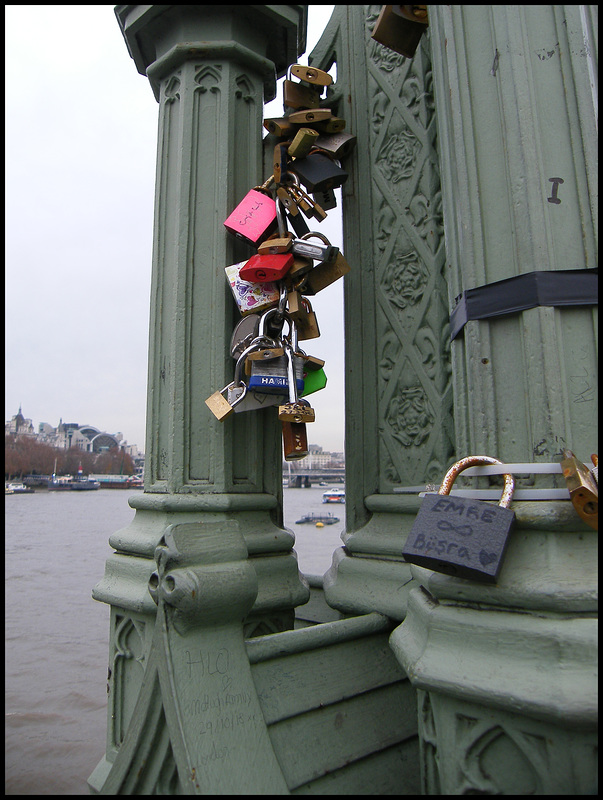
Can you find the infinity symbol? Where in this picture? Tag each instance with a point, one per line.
(462, 530)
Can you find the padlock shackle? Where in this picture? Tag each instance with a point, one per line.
(476, 461)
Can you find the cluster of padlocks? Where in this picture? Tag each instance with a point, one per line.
(271, 288)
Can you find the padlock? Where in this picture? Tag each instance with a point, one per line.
(326, 200)
(302, 143)
(582, 487)
(244, 333)
(280, 126)
(251, 296)
(318, 172)
(239, 396)
(255, 216)
(276, 244)
(222, 408)
(280, 161)
(325, 273)
(303, 247)
(317, 77)
(304, 317)
(401, 29)
(295, 440)
(309, 116)
(270, 376)
(331, 125)
(295, 410)
(458, 536)
(339, 145)
(296, 95)
(314, 380)
(267, 266)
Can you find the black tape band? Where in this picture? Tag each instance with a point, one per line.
(571, 287)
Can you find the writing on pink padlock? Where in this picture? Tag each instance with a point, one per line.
(254, 218)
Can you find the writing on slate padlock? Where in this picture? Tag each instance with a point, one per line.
(459, 536)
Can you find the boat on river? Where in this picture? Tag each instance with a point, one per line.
(334, 496)
(17, 488)
(325, 519)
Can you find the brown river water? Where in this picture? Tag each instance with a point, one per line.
(57, 636)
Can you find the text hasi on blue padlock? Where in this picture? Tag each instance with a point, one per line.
(461, 536)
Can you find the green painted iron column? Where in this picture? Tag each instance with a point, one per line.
(506, 674)
(206, 560)
(399, 408)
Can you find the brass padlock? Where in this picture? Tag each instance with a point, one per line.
(276, 244)
(582, 487)
(400, 28)
(312, 75)
(219, 406)
(302, 142)
(279, 126)
(304, 317)
(309, 116)
(332, 125)
(462, 537)
(295, 95)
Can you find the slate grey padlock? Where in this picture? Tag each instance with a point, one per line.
(459, 536)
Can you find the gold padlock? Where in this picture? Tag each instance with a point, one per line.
(311, 75)
(302, 143)
(295, 95)
(583, 490)
(399, 28)
(279, 127)
(309, 116)
(325, 273)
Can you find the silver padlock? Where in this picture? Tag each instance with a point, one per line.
(269, 367)
(324, 252)
(240, 397)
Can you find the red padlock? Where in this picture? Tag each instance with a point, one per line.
(263, 268)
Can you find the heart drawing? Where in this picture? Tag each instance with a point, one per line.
(486, 558)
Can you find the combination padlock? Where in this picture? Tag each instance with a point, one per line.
(458, 536)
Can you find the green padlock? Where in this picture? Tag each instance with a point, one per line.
(314, 380)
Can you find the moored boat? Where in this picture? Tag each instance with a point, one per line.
(17, 488)
(324, 519)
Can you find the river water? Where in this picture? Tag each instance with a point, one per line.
(57, 637)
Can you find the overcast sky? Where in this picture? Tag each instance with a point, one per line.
(81, 136)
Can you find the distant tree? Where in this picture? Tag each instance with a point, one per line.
(23, 455)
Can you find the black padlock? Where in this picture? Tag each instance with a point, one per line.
(318, 172)
(459, 536)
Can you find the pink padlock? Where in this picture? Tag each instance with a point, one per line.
(254, 218)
